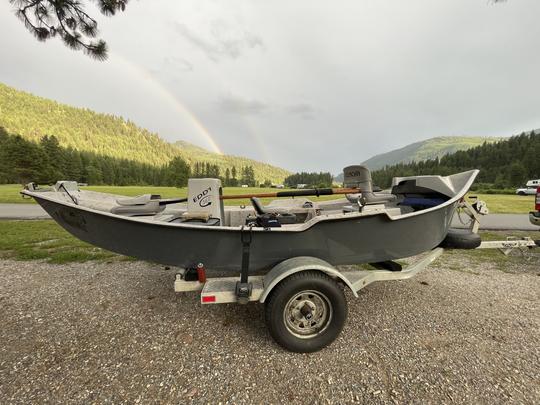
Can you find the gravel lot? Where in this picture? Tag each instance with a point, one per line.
(98, 332)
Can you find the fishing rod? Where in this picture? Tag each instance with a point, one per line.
(290, 193)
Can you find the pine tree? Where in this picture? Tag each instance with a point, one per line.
(178, 172)
(68, 20)
(234, 180)
(227, 180)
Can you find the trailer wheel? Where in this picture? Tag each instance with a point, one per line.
(306, 311)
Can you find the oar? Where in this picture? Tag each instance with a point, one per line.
(295, 193)
(292, 193)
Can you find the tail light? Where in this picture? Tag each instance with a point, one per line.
(537, 206)
(201, 273)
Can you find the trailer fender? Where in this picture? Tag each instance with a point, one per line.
(297, 264)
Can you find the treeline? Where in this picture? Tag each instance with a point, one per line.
(309, 179)
(504, 164)
(45, 162)
(231, 177)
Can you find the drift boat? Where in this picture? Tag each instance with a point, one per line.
(412, 217)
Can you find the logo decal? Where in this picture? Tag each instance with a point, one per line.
(203, 198)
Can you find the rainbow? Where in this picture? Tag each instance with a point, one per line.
(163, 92)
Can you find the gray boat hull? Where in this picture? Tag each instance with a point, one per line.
(347, 240)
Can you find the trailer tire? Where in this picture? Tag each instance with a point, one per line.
(306, 311)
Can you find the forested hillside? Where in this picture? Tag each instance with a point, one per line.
(427, 149)
(81, 129)
(45, 162)
(506, 163)
(263, 171)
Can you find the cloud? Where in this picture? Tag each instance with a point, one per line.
(232, 104)
(175, 63)
(236, 105)
(303, 110)
(222, 41)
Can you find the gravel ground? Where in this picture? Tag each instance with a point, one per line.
(116, 332)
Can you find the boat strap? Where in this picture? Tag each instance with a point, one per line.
(244, 287)
(69, 194)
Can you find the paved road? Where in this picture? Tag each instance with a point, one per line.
(502, 222)
(489, 222)
(22, 211)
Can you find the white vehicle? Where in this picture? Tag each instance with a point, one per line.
(526, 190)
(533, 183)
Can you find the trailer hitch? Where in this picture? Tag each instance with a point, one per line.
(244, 287)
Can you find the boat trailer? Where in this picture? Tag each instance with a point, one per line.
(222, 290)
(305, 306)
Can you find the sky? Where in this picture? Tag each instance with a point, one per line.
(305, 85)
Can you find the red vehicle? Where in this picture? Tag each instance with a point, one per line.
(534, 216)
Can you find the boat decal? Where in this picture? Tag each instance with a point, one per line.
(72, 218)
(203, 198)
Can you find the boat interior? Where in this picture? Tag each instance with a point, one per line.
(205, 207)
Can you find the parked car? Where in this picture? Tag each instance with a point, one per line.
(526, 191)
(534, 216)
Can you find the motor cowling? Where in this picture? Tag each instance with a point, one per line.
(359, 176)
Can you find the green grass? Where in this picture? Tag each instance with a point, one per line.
(45, 240)
(507, 204)
(9, 193)
(497, 203)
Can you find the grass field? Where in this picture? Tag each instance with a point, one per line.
(507, 204)
(45, 240)
(497, 203)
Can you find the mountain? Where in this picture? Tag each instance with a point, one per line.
(505, 164)
(424, 150)
(32, 117)
(427, 149)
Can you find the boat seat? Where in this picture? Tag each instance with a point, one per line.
(147, 204)
(138, 200)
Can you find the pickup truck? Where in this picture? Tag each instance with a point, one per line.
(534, 216)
